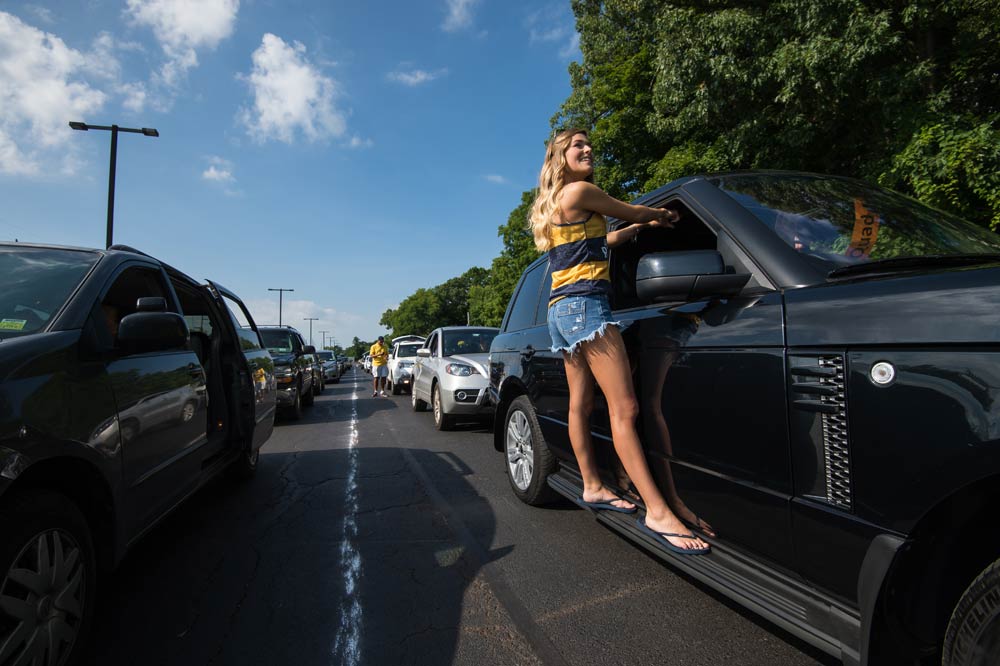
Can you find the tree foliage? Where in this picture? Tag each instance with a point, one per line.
(902, 92)
(447, 304)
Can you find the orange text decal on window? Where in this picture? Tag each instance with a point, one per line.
(865, 232)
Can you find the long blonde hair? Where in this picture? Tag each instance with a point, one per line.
(550, 185)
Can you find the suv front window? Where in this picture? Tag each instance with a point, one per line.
(838, 222)
(34, 285)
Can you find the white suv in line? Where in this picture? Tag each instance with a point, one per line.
(401, 359)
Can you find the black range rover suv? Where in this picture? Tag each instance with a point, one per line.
(124, 386)
(817, 366)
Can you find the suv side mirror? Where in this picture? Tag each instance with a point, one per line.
(308, 349)
(685, 276)
(424, 352)
(152, 331)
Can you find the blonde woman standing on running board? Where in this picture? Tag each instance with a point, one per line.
(568, 221)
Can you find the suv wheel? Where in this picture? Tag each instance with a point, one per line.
(309, 397)
(529, 461)
(48, 579)
(418, 404)
(442, 421)
(318, 387)
(295, 409)
(396, 388)
(973, 636)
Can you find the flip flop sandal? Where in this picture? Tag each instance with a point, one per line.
(605, 505)
(661, 538)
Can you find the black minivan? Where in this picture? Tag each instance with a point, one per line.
(125, 386)
(817, 367)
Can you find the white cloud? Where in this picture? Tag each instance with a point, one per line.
(496, 178)
(289, 93)
(459, 15)
(220, 173)
(553, 24)
(415, 77)
(42, 87)
(43, 14)
(293, 313)
(357, 142)
(183, 27)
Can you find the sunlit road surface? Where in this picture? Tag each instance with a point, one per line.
(367, 537)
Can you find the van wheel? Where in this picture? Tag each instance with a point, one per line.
(529, 461)
(246, 465)
(417, 404)
(442, 421)
(973, 635)
(48, 579)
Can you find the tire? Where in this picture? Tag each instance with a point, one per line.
(295, 409)
(417, 404)
(59, 605)
(396, 388)
(442, 421)
(973, 635)
(309, 398)
(318, 388)
(246, 465)
(529, 460)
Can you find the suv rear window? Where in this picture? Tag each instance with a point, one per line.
(34, 285)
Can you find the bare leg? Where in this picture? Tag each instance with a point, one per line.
(581, 402)
(608, 361)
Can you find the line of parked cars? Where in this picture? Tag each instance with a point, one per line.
(817, 367)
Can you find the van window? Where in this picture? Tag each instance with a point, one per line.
(525, 306)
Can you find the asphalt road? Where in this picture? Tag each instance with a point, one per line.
(367, 537)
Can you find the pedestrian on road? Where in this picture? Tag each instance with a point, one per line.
(568, 221)
(380, 370)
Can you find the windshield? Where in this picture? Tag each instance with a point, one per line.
(838, 222)
(325, 355)
(468, 341)
(34, 284)
(276, 340)
(407, 350)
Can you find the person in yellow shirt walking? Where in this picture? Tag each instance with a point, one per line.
(380, 367)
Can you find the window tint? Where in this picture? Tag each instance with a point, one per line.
(468, 340)
(277, 340)
(122, 298)
(542, 314)
(249, 341)
(522, 311)
(34, 284)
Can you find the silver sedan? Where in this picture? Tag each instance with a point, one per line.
(452, 374)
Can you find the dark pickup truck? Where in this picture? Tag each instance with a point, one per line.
(295, 368)
(125, 386)
(817, 367)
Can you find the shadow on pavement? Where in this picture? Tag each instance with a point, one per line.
(256, 573)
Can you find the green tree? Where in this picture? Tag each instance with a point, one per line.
(903, 92)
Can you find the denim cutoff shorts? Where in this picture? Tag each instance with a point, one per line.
(577, 319)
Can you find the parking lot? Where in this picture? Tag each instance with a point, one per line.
(369, 537)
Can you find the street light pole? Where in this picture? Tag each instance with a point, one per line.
(281, 293)
(310, 320)
(324, 338)
(114, 129)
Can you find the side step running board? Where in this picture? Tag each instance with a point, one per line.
(796, 608)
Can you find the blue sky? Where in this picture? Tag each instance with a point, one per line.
(351, 151)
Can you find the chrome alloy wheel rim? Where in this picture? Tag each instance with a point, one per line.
(42, 599)
(436, 397)
(520, 456)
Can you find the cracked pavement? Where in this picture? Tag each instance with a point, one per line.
(454, 570)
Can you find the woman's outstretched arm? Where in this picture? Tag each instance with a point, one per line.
(580, 198)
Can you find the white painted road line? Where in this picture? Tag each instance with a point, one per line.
(347, 646)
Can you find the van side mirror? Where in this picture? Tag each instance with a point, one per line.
(152, 331)
(686, 276)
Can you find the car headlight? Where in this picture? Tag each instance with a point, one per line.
(460, 370)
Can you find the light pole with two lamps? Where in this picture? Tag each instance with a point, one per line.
(114, 129)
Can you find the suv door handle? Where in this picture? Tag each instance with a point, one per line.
(528, 352)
